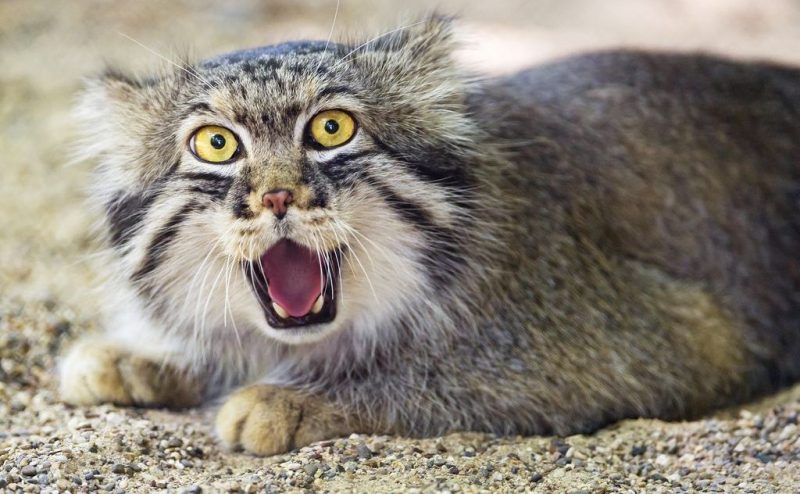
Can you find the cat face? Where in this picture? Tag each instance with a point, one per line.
(300, 189)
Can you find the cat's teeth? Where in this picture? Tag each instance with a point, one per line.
(280, 311)
(318, 304)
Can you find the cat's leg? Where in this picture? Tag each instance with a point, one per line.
(100, 370)
(267, 420)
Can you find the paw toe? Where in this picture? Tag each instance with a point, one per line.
(90, 377)
(259, 419)
(94, 372)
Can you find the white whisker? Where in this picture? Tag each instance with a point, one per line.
(376, 38)
(330, 35)
(189, 70)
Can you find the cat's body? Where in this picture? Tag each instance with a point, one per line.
(609, 236)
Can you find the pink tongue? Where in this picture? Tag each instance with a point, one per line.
(294, 276)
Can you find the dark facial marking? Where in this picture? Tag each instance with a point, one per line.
(127, 210)
(124, 215)
(329, 90)
(162, 240)
(240, 191)
(444, 249)
(209, 184)
(345, 167)
(201, 107)
(433, 167)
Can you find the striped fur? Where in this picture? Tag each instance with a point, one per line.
(499, 270)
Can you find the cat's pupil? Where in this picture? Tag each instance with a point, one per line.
(331, 126)
(217, 141)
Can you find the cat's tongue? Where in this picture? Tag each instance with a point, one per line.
(294, 276)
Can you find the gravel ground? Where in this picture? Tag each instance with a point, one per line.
(45, 445)
(46, 270)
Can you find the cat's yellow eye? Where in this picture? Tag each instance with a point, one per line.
(331, 128)
(214, 144)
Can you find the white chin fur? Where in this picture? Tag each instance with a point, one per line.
(302, 335)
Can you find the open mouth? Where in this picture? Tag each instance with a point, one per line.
(295, 285)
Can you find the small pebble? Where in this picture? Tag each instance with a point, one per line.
(763, 457)
(363, 451)
(174, 442)
(293, 466)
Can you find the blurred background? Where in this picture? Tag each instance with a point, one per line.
(46, 47)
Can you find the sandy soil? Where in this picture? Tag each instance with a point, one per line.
(46, 270)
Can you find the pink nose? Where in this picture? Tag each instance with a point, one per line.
(277, 201)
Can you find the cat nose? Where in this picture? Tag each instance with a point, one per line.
(277, 201)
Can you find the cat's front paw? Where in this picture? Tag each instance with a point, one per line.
(95, 372)
(268, 420)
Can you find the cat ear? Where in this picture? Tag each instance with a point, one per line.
(118, 114)
(417, 57)
(419, 84)
(101, 109)
(427, 43)
(117, 84)
(114, 94)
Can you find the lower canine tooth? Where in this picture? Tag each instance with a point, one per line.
(318, 305)
(280, 311)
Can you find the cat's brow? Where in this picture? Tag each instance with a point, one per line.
(200, 107)
(335, 89)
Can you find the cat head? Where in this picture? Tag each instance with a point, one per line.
(299, 189)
